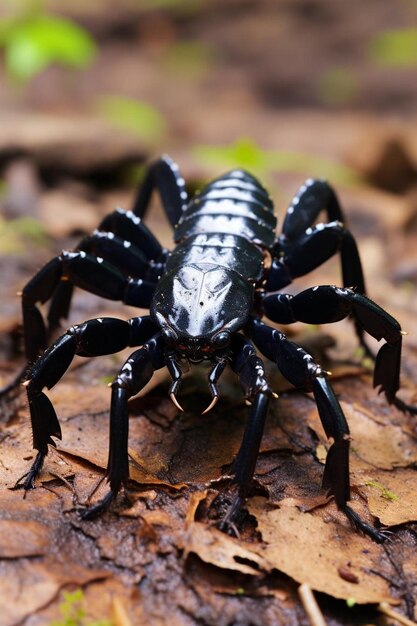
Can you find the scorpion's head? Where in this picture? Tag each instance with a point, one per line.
(198, 309)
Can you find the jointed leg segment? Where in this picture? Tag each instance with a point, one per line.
(326, 304)
(302, 371)
(303, 246)
(250, 369)
(134, 375)
(92, 338)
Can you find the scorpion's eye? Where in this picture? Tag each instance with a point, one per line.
(170, 335)
(221, 340)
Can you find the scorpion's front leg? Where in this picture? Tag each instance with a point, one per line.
(250, 369)
(328, 303)
(134, 375)
(303, 372)
(92, 338)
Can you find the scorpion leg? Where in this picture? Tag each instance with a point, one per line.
(82, 270)
(309, 251)
(302, 247)
(250, 369)
(121, 239)
(164, 176)
(300, 369)
(133, 376)
(133, 255)
(127, 225)
(38, 289)
(311, 199)
(326, 304)
(92, 338)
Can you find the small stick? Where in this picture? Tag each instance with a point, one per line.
(310, 605)
(385, 608)
(119, 613)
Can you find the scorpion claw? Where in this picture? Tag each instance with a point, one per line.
(175, 401)
(211, 405)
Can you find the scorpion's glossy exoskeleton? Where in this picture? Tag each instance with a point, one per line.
(206, 300)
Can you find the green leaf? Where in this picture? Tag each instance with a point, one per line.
(181, 6)
(395, 48)
(138, 118)
(385, 493)
(190, 59)
(17, 234)
(338, 86)
(73, 612)
(244, 153)
(34, 42)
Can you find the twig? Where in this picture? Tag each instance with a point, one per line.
(310, 605)
(120, 616)
(385, 608)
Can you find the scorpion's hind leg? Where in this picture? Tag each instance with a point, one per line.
(123, 241)
(163, 175)
(302, 246)
(250, 369)
(94, 275)
(134, 375)
(325, 304)
(109, 280)
(302, 371)
(37, 291)
(92, 338)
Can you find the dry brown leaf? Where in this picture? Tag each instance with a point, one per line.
(311, 551)
(27, 506)
(391, 496)
(141, 475)
(71, 399)
(27, 586)
(85, 437)
(22, 538)
(375, 443)
(216, 548)
(196, 498)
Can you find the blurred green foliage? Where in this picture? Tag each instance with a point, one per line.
(136, 117)
(244, 153)
(191, 59)
(395, 48)
(73, 612)
(16, 235)
(339, 85)
(185, 6)
(33, 39)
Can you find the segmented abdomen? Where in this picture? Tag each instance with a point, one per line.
(227, 224)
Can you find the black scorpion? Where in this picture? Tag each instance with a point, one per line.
(206, 300)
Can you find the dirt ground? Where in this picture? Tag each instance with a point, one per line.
(289, 90)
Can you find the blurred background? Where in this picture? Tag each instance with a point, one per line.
(89, 93)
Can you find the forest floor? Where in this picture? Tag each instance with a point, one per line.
(157, 557)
